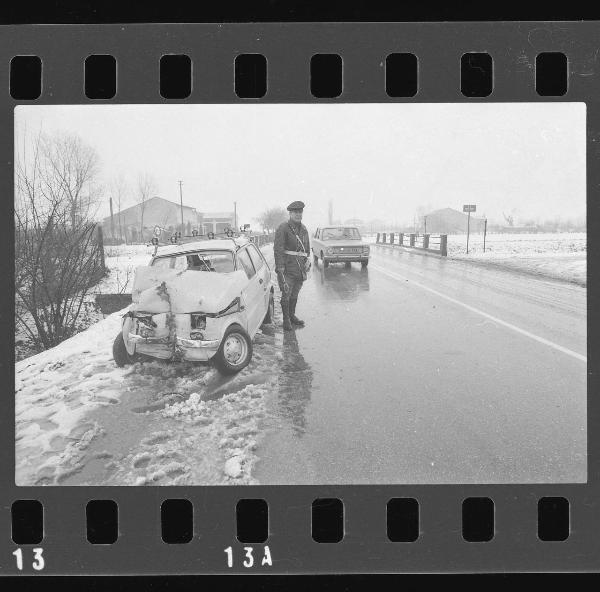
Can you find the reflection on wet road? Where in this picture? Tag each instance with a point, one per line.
(391, 383)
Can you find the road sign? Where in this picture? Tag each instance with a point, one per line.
(469, 208)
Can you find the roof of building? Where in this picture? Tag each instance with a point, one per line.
(138, 205)
(442, 211)
(218, 215)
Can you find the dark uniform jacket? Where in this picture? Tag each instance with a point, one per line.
(285, 240)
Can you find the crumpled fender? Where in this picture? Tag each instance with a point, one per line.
(162, 290)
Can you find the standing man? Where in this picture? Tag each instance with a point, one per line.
(292, 262)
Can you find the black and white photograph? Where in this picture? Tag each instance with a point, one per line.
(285, 294)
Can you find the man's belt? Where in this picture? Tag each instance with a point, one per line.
(297, 253)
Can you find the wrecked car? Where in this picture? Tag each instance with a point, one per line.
(198, 301)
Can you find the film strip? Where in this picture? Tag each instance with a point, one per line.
(173, 520)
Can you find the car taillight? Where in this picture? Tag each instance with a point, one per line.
(198, 335)
(198, 321)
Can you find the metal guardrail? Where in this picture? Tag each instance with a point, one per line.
(433, 243)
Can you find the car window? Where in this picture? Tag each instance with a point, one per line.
(162, 262)
(215, 261)
(341, 233)
(256, 257)
(246, 263)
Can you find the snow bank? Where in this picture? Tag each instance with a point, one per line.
(54, 391)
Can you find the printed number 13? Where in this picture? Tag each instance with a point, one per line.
(38, 560)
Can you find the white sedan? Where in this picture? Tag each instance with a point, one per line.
(335, 244)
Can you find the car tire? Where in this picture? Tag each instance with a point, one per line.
(348, 265)
(325, 262)
(120, 353)
(270, 316)
(315, 258)
(364, 263)
(222, 359)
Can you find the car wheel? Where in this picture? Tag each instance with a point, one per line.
(120, 353)
(315, 258)
(235, 351)
(325, 262)
(364, 263)
(270, 316)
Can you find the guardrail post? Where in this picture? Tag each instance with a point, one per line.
(444, 245)
(384, 236)
(425, 241)
(377, 237)
(391, 238)
(412, 239)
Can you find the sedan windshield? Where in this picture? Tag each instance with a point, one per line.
(340, 233)
(217, 261)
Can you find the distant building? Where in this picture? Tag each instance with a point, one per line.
(217, 222)
(157, 211)
(450, 221)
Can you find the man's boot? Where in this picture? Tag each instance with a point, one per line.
(285, 307)
(293, 318)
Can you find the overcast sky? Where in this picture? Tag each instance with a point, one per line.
(373, 160)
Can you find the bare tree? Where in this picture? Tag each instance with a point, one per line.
(146, 187)
(119, 192)
(57, 255)
(271, 218)
(510, 219)
(70, 170)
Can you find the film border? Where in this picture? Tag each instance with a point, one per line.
(365, 547)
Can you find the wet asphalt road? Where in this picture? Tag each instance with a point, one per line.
(427, 370)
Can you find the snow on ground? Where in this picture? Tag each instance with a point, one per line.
(121, 261)
(82, 420)
(559, 256)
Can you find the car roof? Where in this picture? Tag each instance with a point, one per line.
(203, 245)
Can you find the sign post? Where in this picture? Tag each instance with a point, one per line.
(469, 208)
(484, 233)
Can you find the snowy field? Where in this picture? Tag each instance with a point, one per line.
(559, 256)
(179, 423)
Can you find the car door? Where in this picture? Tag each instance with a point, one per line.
(263, 272)
(253, 293)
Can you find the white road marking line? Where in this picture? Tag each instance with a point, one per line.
(560, 348)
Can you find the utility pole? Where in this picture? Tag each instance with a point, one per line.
(425, 222)
(235, 225)
(181, 202)
(112, 221)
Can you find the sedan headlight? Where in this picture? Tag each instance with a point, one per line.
(330, 251)
(365, 249)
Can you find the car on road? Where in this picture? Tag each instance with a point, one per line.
(336, 244)
(199, 301)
